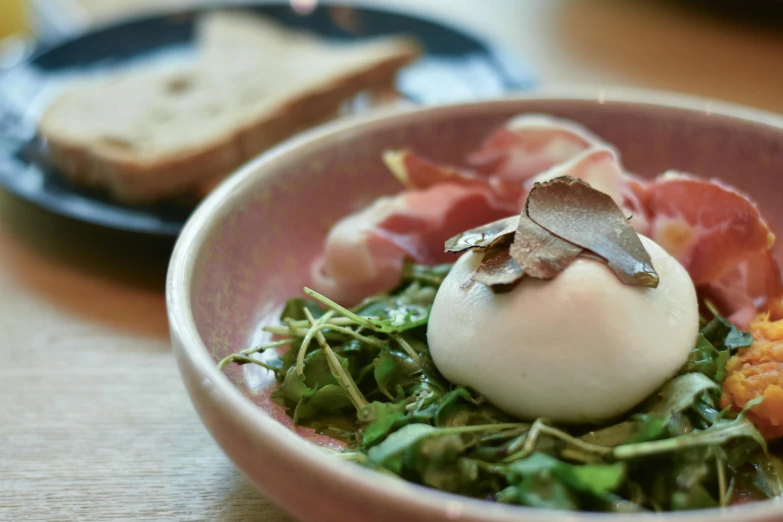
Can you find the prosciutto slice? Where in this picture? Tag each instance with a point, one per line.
(598, 166)
(752, 286)
(529, 144)
(416, 172)
(713, 230)
(708, 226)
(718, 235)
(364, 252)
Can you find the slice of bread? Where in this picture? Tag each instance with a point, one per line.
(151, 135)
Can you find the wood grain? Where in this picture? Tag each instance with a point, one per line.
(94, 422)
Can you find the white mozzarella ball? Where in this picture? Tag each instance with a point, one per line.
(581, 347)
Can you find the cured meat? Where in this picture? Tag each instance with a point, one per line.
(532, 143)
(708, 226)
(714, 231)
(351, 267)
(719, 236)
(597, 166)
(415, 172)
(364, 252)
(752, 286)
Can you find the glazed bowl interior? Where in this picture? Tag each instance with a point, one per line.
(250, 245)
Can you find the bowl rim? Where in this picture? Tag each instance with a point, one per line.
(218, 205)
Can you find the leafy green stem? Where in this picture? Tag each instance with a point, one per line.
(407, 348)
(488, 467)
(459, 430)
(256, 349)
(309, 337)
(730, 490)
(539, 428)
(298, 332)
(343, 377)
(364, 321)
(720, 467)
(244, 359)
(714, 435)
(353, 456)
(353, 333)
(335, 321)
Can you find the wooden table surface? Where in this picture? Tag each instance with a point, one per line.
(94, 422)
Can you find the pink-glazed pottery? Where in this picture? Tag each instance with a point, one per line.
(250, 244)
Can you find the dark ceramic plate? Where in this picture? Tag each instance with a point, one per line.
(455, 66)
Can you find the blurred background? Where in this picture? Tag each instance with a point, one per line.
(731, 49)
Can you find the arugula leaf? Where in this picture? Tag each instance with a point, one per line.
(316, 370)
(613, 435)
(360, 357)
(330, 399)
(432, 461)
(403, 318)
(594, 478)
(588, 478)
(642, 427)
(696, 497)
(687, 481)
(450, 402)
(707, 360)
(394, 369)
(388, 454)
(715, 344)
(676, 450)
(540, 491)
(649, 426)
(426, 404)
(725, 336)
(660, 411)
(680, 393)
(544, 481)
(497, 447)
(721, 432)
(460, 408)
(679, 424)
(293, 388)
(379, 418)
(768, 471)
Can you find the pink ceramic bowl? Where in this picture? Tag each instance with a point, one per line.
(248, 248)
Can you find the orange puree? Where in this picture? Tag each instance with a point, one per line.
(757, 371)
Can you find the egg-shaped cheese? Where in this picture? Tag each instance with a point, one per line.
(581, 347)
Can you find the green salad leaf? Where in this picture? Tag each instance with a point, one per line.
(365, 375)
(541, 480)
(389, 453)
(725, 336)
(680, 393)
(708, 360)
(392, 370)
(330, 399)
(379, 418)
